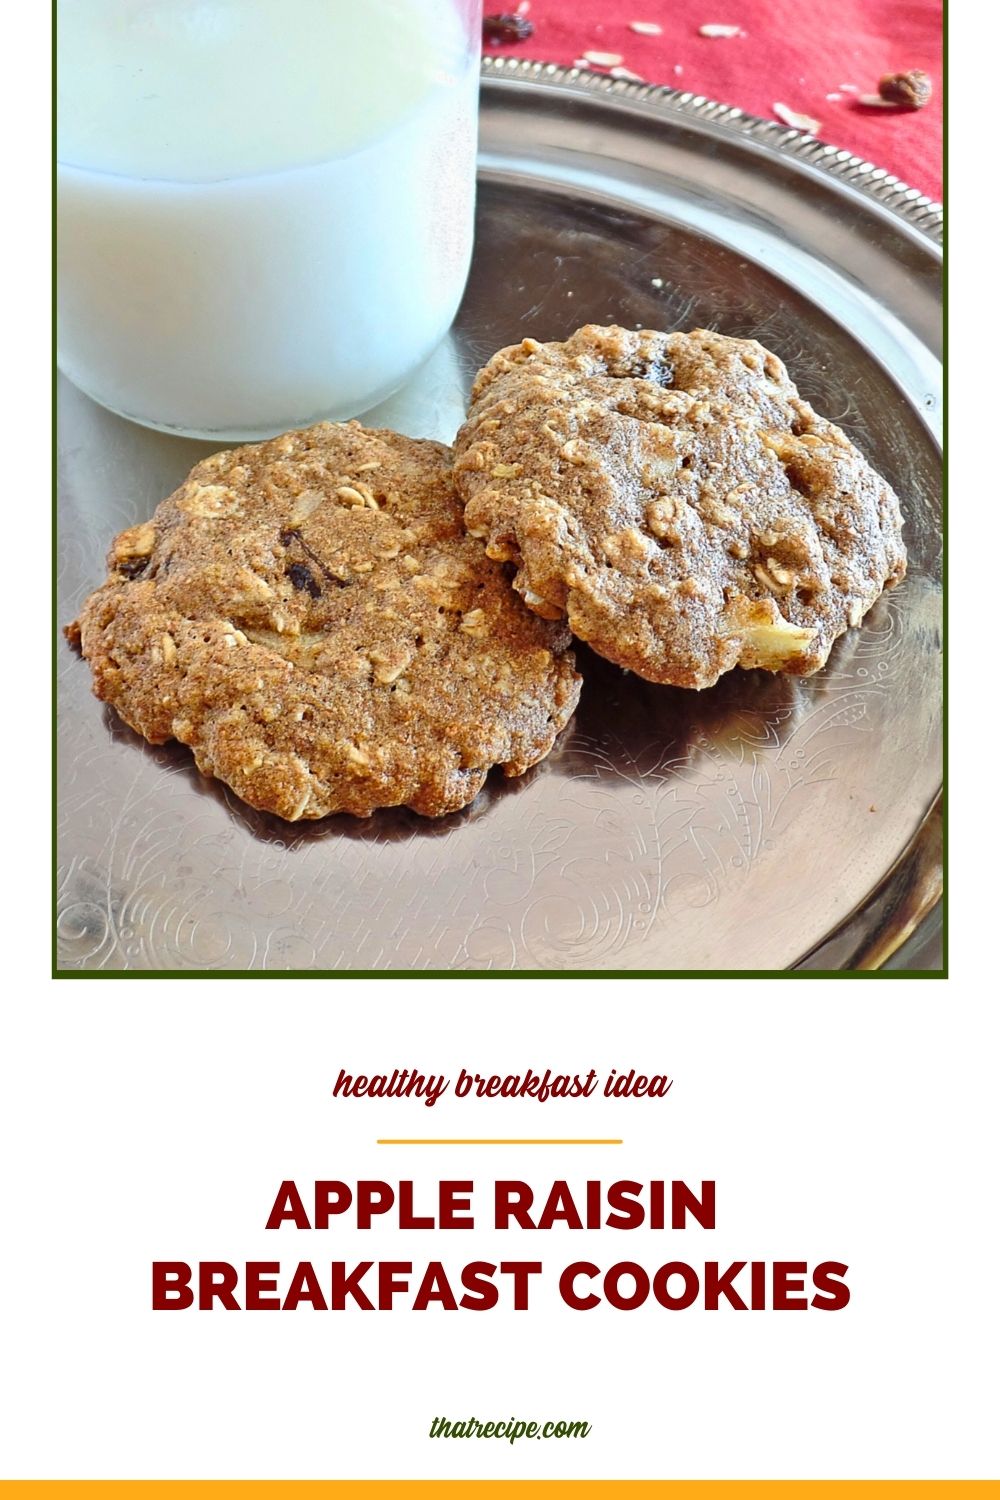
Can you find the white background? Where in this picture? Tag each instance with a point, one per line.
(841, 1120)
(845, 1122)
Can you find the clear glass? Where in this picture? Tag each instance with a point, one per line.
(265, 207)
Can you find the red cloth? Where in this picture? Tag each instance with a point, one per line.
(790, 53)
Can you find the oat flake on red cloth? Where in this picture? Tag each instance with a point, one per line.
(787, 53)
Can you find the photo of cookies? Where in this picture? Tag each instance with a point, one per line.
(554, 589)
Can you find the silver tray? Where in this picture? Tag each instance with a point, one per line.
(766, 824)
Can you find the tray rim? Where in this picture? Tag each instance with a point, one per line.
(854, 172)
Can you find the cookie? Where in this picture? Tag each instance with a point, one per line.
(673, 497)
(310, 616)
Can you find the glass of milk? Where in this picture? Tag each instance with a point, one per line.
(264, 206)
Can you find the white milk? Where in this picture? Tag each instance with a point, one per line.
(264, 206)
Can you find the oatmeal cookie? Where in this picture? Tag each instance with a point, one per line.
(310, 616)
(673, 497)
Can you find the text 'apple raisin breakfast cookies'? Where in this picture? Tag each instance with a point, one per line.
(309, 615)
(673, 497)
(314, 618)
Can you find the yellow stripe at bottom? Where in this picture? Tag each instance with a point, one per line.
(495, 1489)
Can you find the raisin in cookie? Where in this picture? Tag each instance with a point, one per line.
(675, 499)
(310, 616)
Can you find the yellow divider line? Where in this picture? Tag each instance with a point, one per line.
(496, 1489)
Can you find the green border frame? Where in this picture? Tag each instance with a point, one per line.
(462, 974)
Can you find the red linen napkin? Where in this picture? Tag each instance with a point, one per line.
(814, 59)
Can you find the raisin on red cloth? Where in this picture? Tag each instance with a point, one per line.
(785, 53)
(506, 28)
